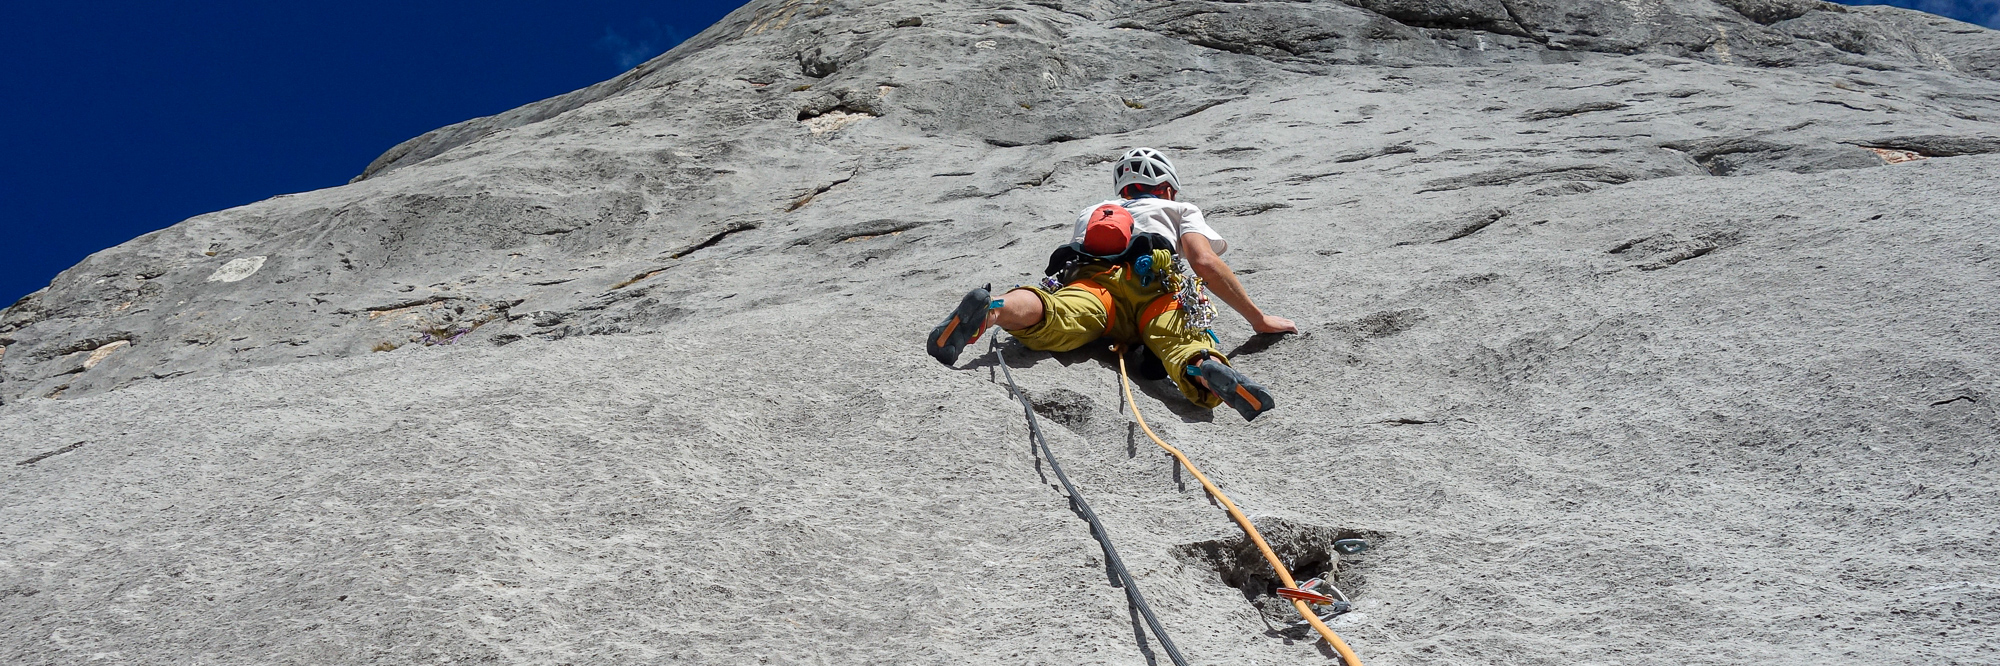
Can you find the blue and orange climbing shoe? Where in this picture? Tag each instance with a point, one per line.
(1245, 396)
(962, 327)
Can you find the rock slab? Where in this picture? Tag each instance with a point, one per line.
(1633, 331)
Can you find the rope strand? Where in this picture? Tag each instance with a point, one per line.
(1284, 575)
(1082, 507)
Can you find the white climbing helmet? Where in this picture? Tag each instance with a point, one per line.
(1143, 166)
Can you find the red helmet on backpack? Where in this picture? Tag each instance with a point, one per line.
(1109, 230)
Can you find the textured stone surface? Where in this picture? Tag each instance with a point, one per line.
(1623, 340)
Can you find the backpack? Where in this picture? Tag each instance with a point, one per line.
(1108, 232)
(1107, 239)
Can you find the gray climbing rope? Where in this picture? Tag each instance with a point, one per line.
(1117, 566)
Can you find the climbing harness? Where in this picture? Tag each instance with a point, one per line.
(1117, 566)
(1152, 260)
(1292, 589)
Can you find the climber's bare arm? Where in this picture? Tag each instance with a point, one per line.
(1207, 264)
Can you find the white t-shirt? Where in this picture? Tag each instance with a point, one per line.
(1160, 216)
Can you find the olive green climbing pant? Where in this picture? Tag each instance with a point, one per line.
(1110, 303)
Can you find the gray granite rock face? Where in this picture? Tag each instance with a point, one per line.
(1631, 328)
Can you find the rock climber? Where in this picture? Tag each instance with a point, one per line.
(1124, 276)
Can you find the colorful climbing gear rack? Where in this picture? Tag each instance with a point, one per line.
(1197, 311)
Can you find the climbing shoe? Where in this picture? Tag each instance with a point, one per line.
(962, 327)
(1246, 397)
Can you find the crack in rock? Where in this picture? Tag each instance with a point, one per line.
(1936, 145)
(1534, 175)
(1567, 111)
(1475, 223)
(47, 455)
(1742, 156)
(862, 231)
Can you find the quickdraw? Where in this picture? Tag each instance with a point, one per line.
(1305, 593)
(1193, 296)
(1176, 276)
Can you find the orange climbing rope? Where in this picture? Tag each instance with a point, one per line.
(1284, 575)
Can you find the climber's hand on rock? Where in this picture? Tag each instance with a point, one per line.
(1270, 324)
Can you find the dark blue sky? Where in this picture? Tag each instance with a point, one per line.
(1981, 12)
(122, 117)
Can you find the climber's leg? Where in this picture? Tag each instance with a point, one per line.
(1069, 317)
(1200, 371)
(1062, 320)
